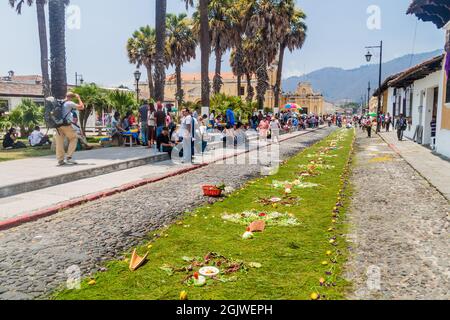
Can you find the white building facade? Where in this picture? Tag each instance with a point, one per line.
(443, 118)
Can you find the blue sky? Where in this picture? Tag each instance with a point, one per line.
(337, 36)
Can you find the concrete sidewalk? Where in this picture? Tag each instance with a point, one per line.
(433, 168)
(26, 175)
(27, 204)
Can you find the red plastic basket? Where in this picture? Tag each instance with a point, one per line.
(211, 191)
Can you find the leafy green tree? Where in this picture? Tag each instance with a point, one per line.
(122, 101)
(94, 98)
(5, 124)
(220, 103)
(26, 116)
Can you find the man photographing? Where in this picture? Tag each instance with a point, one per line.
(67, 131)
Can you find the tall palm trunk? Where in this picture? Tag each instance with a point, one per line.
(217, 82)
(263, 82)
(239, 84)
(57, 26)
(160, 66)
(151, 88)
(180, 93)
(42, 26)
(205, 48)
(250, 90)
(277, 88)
(238, 57)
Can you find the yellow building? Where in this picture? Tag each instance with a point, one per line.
(305, 97)
(191, 84)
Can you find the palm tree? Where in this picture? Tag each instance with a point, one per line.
(160, 64)
(266, 27)
(42, 29)
(219, 26)
(57, 26)
(249, 65)
(238, 17)
(205, 47)
(181, 45)
(141, 51)
(292, 40)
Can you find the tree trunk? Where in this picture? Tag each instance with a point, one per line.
(205, 47)
(42, 26)
(84, 117)
(180, 93)
(263, 83)
(151, 88)
(239, 73)
(239, 84)
(277, 88)
(217, 82)
(57, 27)
(160, 65)
(250, 90)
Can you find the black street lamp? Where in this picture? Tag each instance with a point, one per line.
(137, 77)
(369, 58)
(78, 77)
(368, 98)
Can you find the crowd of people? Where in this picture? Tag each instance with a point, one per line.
(384, 122)
(158, 127)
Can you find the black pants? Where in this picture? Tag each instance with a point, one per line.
(400, 134)
(168, 150)
(369, 132)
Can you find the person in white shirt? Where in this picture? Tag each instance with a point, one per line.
(37, 138)
(275, 129)
(186, 131)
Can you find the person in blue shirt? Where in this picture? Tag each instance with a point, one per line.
(230, 117)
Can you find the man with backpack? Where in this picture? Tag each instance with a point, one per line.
(402, 125)
(65, 130)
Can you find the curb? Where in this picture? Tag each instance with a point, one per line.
(46, 212)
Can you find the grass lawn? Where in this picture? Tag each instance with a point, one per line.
(283, 262)
(7, 155)
(29, 152)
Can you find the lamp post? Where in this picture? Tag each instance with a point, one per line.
(78, 77)
(369, 58)
(368, 98)
(137, 77)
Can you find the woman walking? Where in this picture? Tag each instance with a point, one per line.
(151, 125)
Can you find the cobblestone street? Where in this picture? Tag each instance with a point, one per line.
(35, 256)
(399, 229)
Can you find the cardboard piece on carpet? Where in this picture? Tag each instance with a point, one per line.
(257, 226)
(136, 261)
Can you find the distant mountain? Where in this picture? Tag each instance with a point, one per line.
(337, 84)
